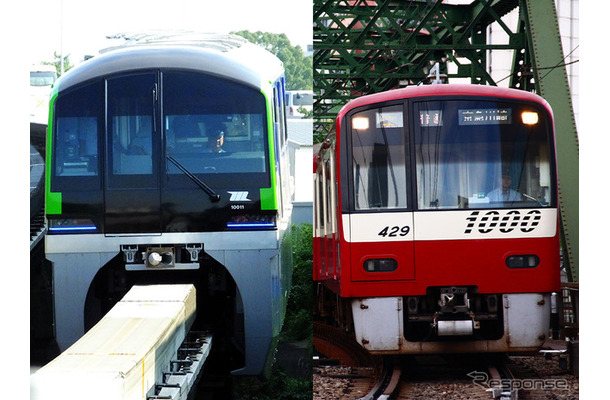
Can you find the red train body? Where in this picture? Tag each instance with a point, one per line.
(435, 220)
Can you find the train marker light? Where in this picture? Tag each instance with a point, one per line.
(360, 123)
(523, 261)
(529, 117)
(380, 265)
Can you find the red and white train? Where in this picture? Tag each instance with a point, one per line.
(436, 222)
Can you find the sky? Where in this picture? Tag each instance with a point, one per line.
(80, 26)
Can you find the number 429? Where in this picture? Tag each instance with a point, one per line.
(394, 231)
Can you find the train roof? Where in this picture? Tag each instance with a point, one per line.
(227, 56)
(443, 90)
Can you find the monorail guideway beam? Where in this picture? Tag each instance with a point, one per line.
(364, 47)
(141, 349)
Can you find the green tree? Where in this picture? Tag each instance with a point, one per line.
(57, 63)
(299, 69)
(298, 324)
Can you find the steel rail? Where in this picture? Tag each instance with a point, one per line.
(500, 373)
(388, 380)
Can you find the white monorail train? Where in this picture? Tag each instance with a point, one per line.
(167, 163)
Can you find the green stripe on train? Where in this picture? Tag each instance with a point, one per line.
(268, 195)
(52, 199)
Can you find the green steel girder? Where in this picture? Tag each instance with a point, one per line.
(551, 81)
(363, 46)
(369, 46)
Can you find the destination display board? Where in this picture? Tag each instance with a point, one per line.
(485, 116)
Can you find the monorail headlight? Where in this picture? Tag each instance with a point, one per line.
(72, 225)
(360, 123)
(529, 117)
(252, 222)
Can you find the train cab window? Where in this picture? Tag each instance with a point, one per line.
(76, 146)
(130, 130)
(214, 126)
(378, 159)
(481, 154)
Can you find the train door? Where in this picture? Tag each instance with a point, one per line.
(131, 190)
(381, 220)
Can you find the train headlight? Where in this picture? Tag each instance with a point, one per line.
(360, 123)
(522, 261)
(160, 257)
(380, 265)
(529, 117)
(154, 259)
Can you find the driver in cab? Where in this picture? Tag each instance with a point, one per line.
(504, 192)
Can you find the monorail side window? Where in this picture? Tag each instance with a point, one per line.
(378, 158)
(481, 154)
(78, 117)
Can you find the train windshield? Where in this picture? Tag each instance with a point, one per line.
(378, 158)
(478, 154)
(214, 127)
(467, 154)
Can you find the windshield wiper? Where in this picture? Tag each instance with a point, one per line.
(527, 196)
(213, 195)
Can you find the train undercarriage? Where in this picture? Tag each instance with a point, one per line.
(445, 320)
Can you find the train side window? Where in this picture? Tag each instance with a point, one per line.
(75, 139)
(378, 159)
(321, 198)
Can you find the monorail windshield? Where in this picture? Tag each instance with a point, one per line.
(462, 154)
(213, 127)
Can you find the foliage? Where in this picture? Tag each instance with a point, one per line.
(57, 63)
(299, 69)
(307, 114)
(298, 323)
(279, 387)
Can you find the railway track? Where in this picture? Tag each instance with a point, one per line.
(388, 380)
(334, 343)
(471, 377)
(358, 371)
